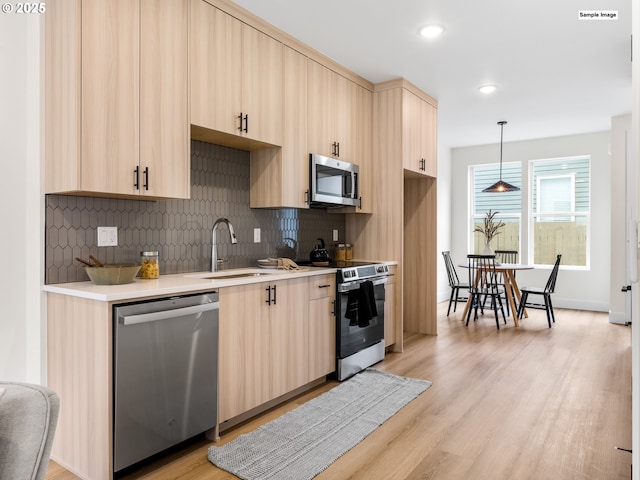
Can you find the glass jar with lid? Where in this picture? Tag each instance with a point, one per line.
(149, 265)
(348, 251)
(341, 252)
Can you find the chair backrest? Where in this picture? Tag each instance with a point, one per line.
(506, 256)
(550, 287)
(451, 270)
(482, 273)
(28, 419)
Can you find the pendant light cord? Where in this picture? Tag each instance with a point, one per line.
(501, 133)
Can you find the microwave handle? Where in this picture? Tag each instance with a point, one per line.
(353, 185)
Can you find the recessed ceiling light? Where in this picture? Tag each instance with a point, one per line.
(431, 31)
(487, 89)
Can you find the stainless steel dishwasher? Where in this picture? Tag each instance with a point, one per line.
(165, 374)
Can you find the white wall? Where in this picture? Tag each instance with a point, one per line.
(444, 219)
(588, 290)
(21, 242)
(619, 301)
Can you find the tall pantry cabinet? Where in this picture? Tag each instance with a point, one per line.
(403, 226)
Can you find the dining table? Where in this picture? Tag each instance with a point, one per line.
(508, 271)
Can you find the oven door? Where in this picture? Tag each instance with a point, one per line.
(354, 335)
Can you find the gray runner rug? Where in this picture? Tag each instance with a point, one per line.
(305, 441)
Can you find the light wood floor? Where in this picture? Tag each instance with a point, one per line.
(519, 403)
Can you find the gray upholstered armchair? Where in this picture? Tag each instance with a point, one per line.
(28, 417)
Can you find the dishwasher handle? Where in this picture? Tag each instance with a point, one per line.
(166, 314)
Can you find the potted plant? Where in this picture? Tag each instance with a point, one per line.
(489, 230)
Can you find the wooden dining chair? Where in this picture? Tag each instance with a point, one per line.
(506, 256)
(454, 283)
(483, 284)
(545, 292)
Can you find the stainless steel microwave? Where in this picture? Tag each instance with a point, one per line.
(333, 183)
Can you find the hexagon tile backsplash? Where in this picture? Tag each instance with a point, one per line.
(180, 230)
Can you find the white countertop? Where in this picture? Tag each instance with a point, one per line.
(176, 284)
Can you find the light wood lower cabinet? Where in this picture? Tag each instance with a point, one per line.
(390, 306)
(322, 326)
(274, 337)
(244, 350)
(79, 370)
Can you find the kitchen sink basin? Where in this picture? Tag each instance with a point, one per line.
(230, 274)
(234, 275)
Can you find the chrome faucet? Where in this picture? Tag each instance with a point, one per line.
(214, 253)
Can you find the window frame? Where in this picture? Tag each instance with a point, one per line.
(471, 219)
(573, 214)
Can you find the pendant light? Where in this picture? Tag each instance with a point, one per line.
(501, 186)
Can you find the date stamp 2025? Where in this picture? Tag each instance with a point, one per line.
(20, 8)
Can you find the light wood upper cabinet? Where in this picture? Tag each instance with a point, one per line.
(164, 125)
(340, 124)
(280, 176)
(236, 76)
(362, 146)
(330, 113)
(101, 62)
(216, 68)
(419, 135)
(262, 87)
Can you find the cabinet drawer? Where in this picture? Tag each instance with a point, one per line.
(322, 286)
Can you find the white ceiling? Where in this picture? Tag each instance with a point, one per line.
(557, 74)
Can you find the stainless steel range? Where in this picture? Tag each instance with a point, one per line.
(360, 316)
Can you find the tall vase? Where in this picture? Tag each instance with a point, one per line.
(487, 250)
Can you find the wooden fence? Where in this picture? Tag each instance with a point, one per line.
(550, 239)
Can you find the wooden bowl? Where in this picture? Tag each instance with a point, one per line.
(113, 274)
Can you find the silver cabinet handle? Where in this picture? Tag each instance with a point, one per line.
(166, 314)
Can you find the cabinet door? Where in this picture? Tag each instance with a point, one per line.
(363, 146)
(321, 102)
(390, 311)
(322, 326)
(216, 68)
(164, 121)
(289, 334)
(344, 112)
(295, 153)
(262, 86)
(430, 138)
(110, 115)
(280, 176)
(244, 350)
(411, 132)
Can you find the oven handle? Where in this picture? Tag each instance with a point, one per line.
(345, 287)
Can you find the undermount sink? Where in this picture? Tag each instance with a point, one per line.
(241, 273)
(235, 275)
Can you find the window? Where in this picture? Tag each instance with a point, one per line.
(507, 204)
(560, 210)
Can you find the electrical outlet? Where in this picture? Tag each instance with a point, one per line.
(256, 235)
(107, 236)
(335, 235)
